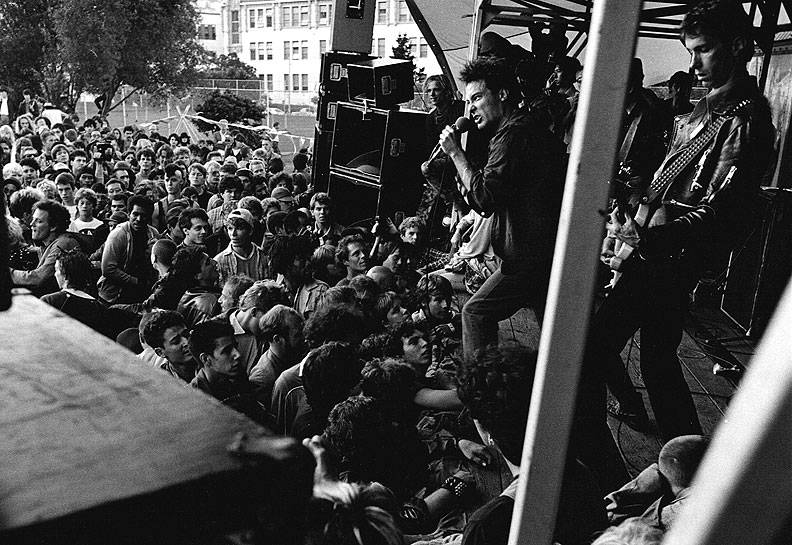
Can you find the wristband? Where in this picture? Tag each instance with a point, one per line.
(456, 486)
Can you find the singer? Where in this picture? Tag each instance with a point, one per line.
(520, 185)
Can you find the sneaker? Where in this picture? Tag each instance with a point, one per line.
(638, 420)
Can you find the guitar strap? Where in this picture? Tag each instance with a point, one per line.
(688, 153)
(629, 137)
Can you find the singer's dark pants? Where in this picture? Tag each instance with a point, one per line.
(651, 297)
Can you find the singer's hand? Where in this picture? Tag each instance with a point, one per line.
(449, 141)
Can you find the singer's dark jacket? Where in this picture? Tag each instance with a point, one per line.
(521, 185)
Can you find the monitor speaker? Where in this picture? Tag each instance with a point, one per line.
(353, 26)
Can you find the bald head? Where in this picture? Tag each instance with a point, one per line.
(679, 459)
(383, 276)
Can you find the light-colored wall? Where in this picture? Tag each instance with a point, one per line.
(313, 33)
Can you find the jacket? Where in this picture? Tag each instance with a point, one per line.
(705, 211)
(116, 260)
(41, 280)
(521, 186)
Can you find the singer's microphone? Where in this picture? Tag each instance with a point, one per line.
(461, 125)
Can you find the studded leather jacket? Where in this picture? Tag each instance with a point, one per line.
(706, 209)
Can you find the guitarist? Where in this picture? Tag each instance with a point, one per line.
(695, 207)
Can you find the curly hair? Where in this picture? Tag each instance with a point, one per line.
(87, 194)
(342, 251)
(57, 214)
(389, 380)
(187, 263)
(237, 284)
(723, 20)
(335, 323)
(329, 374)
(263, 295)
(22, 201)
(412, 222)
(497, 74)
(496, 388)
(153, 329)
(633, 531)
(186, 216)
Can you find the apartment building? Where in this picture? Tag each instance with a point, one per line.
(284, 40)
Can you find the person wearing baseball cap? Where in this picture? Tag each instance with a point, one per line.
(241, 256)
(285, 198)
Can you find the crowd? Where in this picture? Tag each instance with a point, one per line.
(221, 266)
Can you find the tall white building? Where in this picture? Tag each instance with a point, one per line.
(284, 40)
(209, 28)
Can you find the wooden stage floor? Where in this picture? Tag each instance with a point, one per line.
(711, 393)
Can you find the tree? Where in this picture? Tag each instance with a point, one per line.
(231, 107)
(229, 66)
(403, 50)
(149, 45)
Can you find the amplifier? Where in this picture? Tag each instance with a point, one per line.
(388, 82)
(333, 86)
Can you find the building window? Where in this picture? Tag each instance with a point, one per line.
(269, 51)
(380, 47)
(304, 18)
(268, 18)
(261, 51)
(295, 51)
(207, 32)
(382, 12)
(295, 15)
(324, 14)
(260, 18)
(423, 48)
(252, 51)
(322, 46)
(286, 50)
(286, 17)
(404, 12)
(295, 82)
(252, 18)
(235, 26)
(269, 82)
(304, 82)
(285, 82)
(304, 49)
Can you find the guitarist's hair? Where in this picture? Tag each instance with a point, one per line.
(724, 20)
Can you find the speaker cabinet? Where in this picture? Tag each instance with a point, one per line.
(353, 26)
(378, 153)
(387, 82)
(323, 142)
(759, 271)
(333, 87)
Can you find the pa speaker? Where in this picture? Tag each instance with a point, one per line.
(353, 26)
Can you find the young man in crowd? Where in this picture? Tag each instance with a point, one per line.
(115, 187)
(78, 160)
(49, 223)
(85, 222)
(230, 190)
(241, 256)
(246, 320)
(282, 330)
(197, 176)
(174, 182)
(30, 172)
(194, 223)
(352, 253)
(324, 229)
(166, 333)
(199, 271)
(127, 275)
(146, 159)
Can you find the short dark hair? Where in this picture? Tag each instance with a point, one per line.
(285, 249)
(186, 216)
(329, 374)
(342, 251)
(388, 379)
(30, 162)
(77, 153)
(682, 79)
(204, 335)
(141, 201)
(230, 183)
(76, 268)
(155, 326)
(120, 197)
(65, 178)
(321, 198)
(187, 263)
(496, 388)
(276, 321)
(496, 74)
(433, 286)
(275, 179)
(57, 214)
(723, 20)
(300, 161)
(339, 323)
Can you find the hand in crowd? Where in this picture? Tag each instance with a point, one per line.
(477, 453)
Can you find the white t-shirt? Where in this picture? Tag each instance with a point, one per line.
(85, 227)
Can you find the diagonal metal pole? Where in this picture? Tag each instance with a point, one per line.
(610, 49)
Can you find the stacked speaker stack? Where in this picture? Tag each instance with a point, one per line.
(367, 151)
